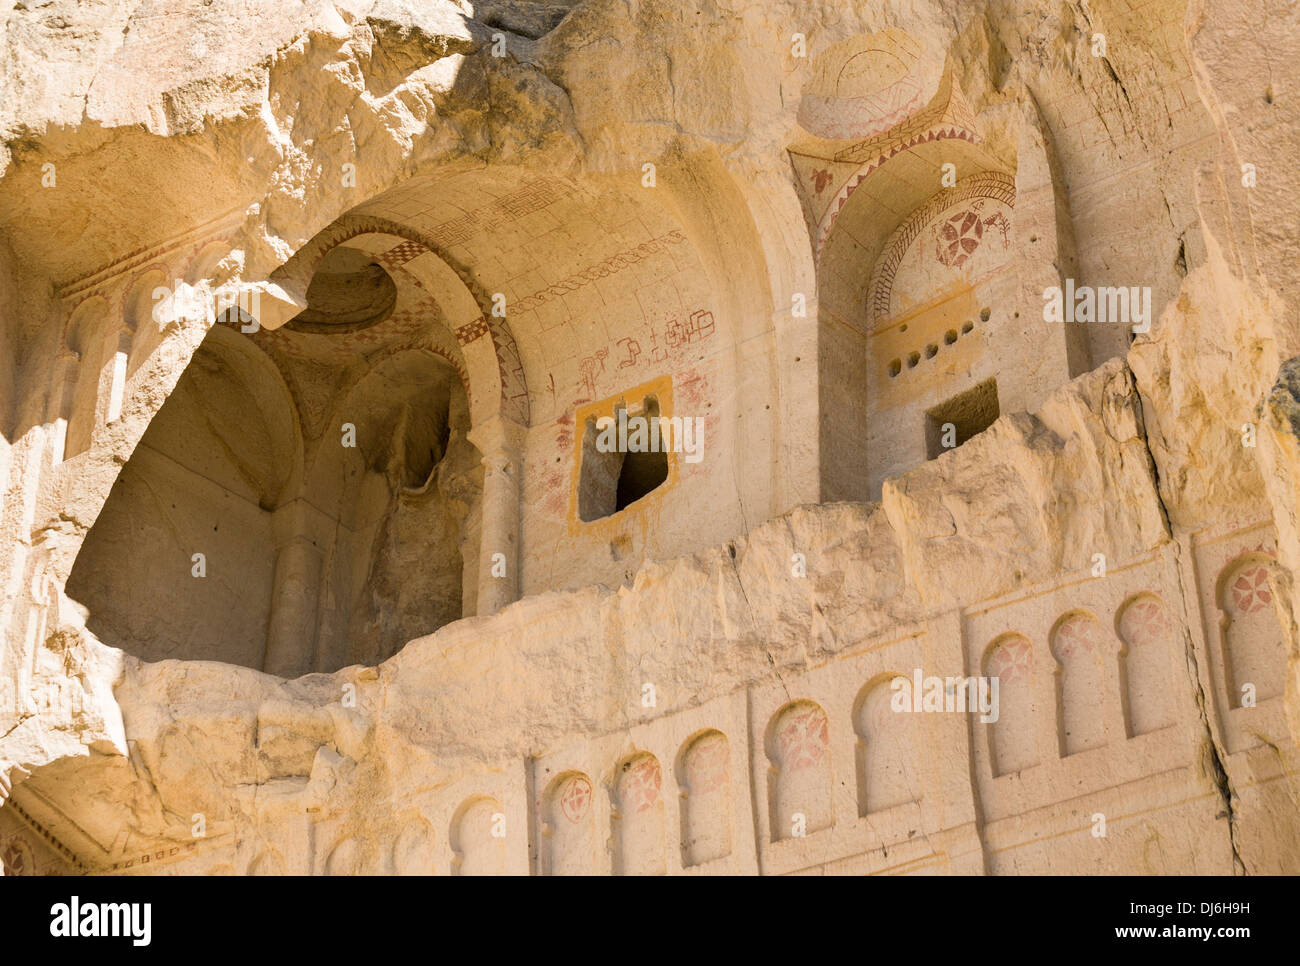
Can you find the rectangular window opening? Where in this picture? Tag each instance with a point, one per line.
(620, 467)
(965, 415)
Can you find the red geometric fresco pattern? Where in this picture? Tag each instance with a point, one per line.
(977, 188)
(1144, 622)
(958, 237)
(638, 789)
(1076, 637)
(802, 738)
(842, 118)
(1250, 591)
(707, 765)
(575, 799)
(1012, 661)
(828, 220)
(532, 196)
(467, 333)
(401, 254)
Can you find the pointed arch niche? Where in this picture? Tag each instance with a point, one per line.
(932, 253)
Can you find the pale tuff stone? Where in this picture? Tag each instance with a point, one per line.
(345, 581)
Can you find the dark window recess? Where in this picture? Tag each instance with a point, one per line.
(970, 413)
(612, 481)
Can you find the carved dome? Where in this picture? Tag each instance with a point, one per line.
(348, 292)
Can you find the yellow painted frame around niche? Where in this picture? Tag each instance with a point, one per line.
(644, 509)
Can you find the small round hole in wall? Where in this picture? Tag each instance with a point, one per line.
(967, 327)
(895, 367)
(931, 351)
(950, 337)
(984, 314)
(912, 359)
(903, 327)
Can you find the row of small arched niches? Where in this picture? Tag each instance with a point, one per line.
(1091, 669)
(797, 741)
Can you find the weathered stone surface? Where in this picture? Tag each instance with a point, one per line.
(340, 581)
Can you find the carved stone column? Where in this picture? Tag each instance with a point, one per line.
(295, 594)
(501, 441)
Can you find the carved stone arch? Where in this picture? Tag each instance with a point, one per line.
(277, 398)
(638, 821)
(1142, 625)
(704, 778)
(798, 748)
(396, 471)
(1085, 659)
(136, 295)
(497, 374)
(568, 826)
(1252, 645)
(888, 743)
(1012, 738)
(139, 335)
(203, 488)
(77, 402)
(877, 204)
(477, 837)
(498, 395)
(947, 120)
(991, 187)
(348, 393)
(434, 343)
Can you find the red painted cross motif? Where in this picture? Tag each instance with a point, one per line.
(1075, 637)
(959, 236)
(639, 789)
(803, 738)
(1250, 591)
(1012, 662)
(1144, 622)
(706, 766)
(575, 800)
